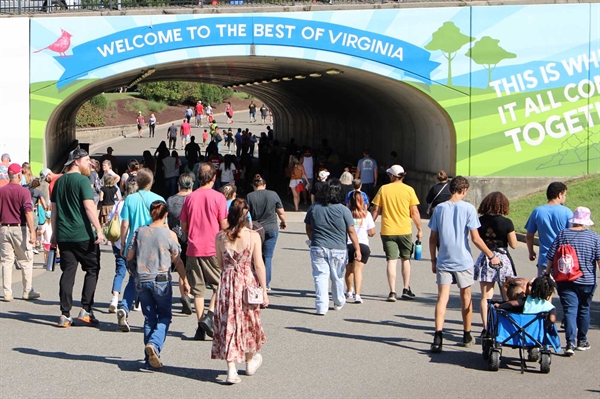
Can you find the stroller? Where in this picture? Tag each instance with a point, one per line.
(531, 332)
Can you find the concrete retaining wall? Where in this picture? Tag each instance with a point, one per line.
(97, 134)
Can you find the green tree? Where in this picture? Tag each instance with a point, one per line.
(487, 52)
(176, 93)
(448, 39)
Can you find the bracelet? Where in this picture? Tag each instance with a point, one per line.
(492, 257)
(434, 260)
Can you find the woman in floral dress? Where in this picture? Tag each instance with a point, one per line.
(238, 333)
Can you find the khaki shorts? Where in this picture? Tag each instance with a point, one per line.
(396, 247)
(463, 279)
(202, 272)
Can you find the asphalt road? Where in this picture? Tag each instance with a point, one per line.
(377, 349)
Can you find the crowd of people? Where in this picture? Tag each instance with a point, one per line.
(184, 214)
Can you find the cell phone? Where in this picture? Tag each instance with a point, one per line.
(162, 278)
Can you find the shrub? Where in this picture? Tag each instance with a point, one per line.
(89, 116)
(136, 106)
(177, 93)
(99, 101)
(156, 106)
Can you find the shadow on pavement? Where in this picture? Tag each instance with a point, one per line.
(465, 359)
(296, 249)
(49, 320)
(390, 323)
(295, 309)
(291, 293)
(130, 365)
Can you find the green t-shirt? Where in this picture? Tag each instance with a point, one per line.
(72, 223)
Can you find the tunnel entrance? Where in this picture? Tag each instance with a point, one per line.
(310, 101)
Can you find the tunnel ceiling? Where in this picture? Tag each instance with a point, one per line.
(353, 109)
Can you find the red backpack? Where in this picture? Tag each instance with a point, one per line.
(566, 264)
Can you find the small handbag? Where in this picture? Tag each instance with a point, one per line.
(253, 296)
(112, 231)
(300, 187)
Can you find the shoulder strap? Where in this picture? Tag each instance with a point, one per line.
(439, 192)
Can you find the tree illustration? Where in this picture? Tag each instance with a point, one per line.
(448, 39)
(487, 52)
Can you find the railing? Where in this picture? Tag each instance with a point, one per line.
(52, 6)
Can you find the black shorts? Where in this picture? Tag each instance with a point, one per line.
(365, 252)
(140, 127)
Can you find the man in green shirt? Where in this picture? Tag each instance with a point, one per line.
(74, 218)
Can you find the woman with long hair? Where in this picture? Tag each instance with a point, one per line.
(238, 333)
(26, 176)
(365, 228)
(227, 169)
(229, 112)
(498, 233)
(265, 207)
(171, 165)
(149, 161)
(155, 248)
(297, 173)
(151, 126)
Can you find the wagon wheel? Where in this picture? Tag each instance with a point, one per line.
(494, 361)
(533, 355)
(545, 363)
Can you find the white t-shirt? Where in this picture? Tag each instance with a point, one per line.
(118, 207)
(227, 174)
(308, 166)
(362, 226)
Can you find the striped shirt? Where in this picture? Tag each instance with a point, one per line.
(587, 246)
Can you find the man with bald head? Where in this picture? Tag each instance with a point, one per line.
(204, 213)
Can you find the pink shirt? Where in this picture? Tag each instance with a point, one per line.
(186, 128)
(202, 210)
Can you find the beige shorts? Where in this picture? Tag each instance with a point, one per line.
(202, 272)
(463, 279)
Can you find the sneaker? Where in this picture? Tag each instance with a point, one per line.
(88, 318)
(137, 307)
(57, 260)
(114, 303)
(186, 305)
(200, 334)
(233, 378)
(207, 323)
(268, 288)
(349, 295)
(570, 349)
(321, 313)
(153, 359)
(8, 298)
(254, 364)
(122, 320)
(338, 307)
(407, 294)
(31, 295)
(438, 339)
(583, 346)
(36, 251)
(357, 299)
(392, 297)
(64, 321)
(468, 340)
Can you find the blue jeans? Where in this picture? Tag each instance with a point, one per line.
(129, 295)
(326, 264)
(576, 300)
(268, 249)
(120, 270)
(155, 298)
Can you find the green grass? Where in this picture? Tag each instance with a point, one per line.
(243, 96)
(121, 96)
(137, 106)
(156, 106)
(583, 192)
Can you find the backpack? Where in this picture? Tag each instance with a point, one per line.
(131, 178)
(96, 182)
(566, 263)
(218, 138)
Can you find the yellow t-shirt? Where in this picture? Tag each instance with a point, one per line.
(395, 200)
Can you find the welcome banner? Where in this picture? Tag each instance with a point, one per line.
(145, 40)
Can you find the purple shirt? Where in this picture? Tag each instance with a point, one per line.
(15, 201)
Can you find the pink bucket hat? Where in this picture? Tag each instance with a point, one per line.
(582, 215)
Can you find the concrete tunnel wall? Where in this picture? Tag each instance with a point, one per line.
(353, 110)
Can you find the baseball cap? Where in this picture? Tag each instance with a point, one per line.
(14, 168)
(109, 149)
(323, 174)
(395, 170)
(5, 155)
(75, 155)
(45, 172)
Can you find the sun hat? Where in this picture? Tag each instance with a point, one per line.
(395, 170)
(75, 155)
(582, 216)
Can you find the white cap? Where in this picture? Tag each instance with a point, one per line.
(395, 170)
(323, 174)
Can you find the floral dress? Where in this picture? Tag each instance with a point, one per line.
(238, 329)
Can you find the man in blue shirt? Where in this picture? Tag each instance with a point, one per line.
(451, 222)
(366, 171)
(135, 213)
(547, 220)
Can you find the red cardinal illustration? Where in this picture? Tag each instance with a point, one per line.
(61, 45)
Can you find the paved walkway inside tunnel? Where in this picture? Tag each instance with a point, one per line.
(377, 349)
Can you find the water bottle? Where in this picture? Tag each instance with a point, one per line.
(51, 262)
(418, 249)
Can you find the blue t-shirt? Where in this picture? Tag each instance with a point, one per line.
(453, 221)
(547, 221)
(367, 167)
(365, 198)
(229, 202)
(587, 247)
(136, 211)
(329, 225)
(537, 305)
